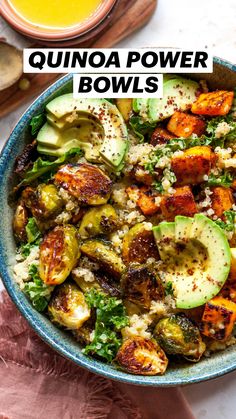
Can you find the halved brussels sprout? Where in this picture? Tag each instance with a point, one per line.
(139, 244)
(85, 279)
(142, 356)
(140, 286)
(98, 280)
(87, 183)
(99, 220)
(177, 334)
(68, 307)
(20, 221)
(44, 202)
(58, 255)
(106, 257)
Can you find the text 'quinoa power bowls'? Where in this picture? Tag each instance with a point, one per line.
(123, 216)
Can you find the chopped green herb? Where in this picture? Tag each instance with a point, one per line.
(229, 224)
(32, 231)
(213, 124)
(110, 319)
(37, 122)
(169, 288)
(226, 179)
(38, 292)
(25, 249)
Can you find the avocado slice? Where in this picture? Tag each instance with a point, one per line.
(164, 235)
(197, 260)
(179, 94)
(183, 226)
(141, 106)
(107, 127)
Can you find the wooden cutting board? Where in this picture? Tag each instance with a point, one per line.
(129, 16)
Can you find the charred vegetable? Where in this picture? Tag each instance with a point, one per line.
(44, 202)
(178, 335)
(140, 286)
(26, 158)
(89, 184)
(98, 280)
(20, 221)
(142, 356)
(99, 220)
(59, 253)
(68, 307)
(139, 244)
(106, 257)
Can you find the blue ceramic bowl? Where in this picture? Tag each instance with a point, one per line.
(224, 76)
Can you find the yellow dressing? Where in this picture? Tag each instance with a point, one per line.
(55, 13)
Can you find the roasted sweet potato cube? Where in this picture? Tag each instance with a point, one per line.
(213, 103)
(160, 136)
(184, 125)
(218, 318)
(180, 203)
(222, 200)
(191, 166)
(147, 201)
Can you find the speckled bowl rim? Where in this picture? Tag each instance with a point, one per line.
(176, 377)
(53, 34)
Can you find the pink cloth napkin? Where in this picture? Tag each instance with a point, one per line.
(37, 383)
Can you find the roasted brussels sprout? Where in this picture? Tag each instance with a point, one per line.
(106, 257)
(68, 307)
(97, 280)
(139, 244)
(142, 356)
(20, 221)
(140, 286)
(83, 334)
(178, 335)
(99, 220)
(85, 279)
(26, 158)
(87, 183)
(59, 252)
(44, 202)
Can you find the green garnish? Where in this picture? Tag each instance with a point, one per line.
(110, 319)
(229, 224)
(32, 230)
(37, 122)
(33, 237)
(41, 166)
(38, 292)
(226, 179)
(169, 288)
(141, 128)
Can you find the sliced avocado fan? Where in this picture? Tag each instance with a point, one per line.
(196, 258)
(95, 125)
(178, 94)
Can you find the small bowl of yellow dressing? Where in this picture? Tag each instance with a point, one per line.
(55, 20)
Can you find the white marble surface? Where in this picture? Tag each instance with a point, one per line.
(193, 24)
